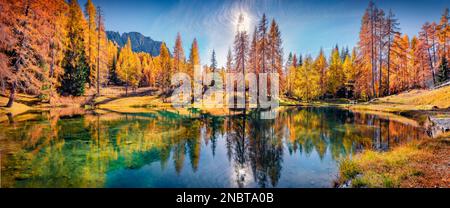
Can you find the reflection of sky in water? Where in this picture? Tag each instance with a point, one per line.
(298, 149)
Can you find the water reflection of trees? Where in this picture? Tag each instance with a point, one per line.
(254, 147)
(58, 150)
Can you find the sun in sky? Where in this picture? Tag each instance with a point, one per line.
(241, 20)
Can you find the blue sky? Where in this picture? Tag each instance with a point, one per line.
(306, 25)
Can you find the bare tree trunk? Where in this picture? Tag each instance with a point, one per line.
(98, 49)
(434, 51)
(430, 59)
(10, 118)
(434, 54)
(3, 86)
(52, 66)
(372, 52)
(389, 65)
(89, 53)
(245, 87)
(423, 73)
(380, 58)
(126, 83)
(12, 95)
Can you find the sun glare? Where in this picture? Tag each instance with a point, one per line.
(242, 20)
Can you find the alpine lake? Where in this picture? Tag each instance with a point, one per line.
(301, 147)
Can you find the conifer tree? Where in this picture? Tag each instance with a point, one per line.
(335, 74)
(295, 61)
(276, 53)
(287, 72)
(18, 58)
(263, 45)
(194, 57)
(320, 65)
(444, 71)
(91, 44)
(113, 52)
(392, 30)
(349, 69)
(229, 63)
(241, 49)
(300, 60)
(428, 36)
(75, 64)
(307, 82)
(213, 65)
(101, 53)
(178, 55)
(344, 53)
(129, 67)
(148, 69)
(288, 61)
(31, 46)
(166, 68)
(444, 34)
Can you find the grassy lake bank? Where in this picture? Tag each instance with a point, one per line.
(421, 164)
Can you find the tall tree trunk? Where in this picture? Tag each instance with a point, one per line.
(389, 65)
(381, 35)
(257, 90)
(372, 52)
(52, 65)
(434, 56)
(126, 83)
(89, 53)
(245, 87)
(380, 76)
(434, 51)
(10, 118)
(12, 95)
(3, 85)
(98, 51)
(430, 59)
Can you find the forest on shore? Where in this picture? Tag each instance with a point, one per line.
(56, 48)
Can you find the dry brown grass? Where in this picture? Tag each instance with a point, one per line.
(439, 98)
(417, 164)
(413, 100)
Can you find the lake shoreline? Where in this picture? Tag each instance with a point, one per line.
(415, 115)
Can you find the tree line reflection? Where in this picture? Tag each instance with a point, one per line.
(74, 149)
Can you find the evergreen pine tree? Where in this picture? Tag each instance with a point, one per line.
(300, 60)
(213, 62)
(443, 71)
(229, 61)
